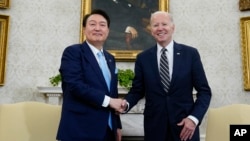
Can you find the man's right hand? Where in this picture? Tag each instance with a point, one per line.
(118, 104)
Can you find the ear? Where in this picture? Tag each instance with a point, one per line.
(108, 31)
(173, 27)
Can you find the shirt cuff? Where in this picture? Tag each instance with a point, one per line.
(126, 110)
(106, 101)
(194, 119)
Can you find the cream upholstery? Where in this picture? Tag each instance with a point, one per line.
(29, 121)
(219, 120)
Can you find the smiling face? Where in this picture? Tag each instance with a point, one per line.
(96, 30)
(162, 27)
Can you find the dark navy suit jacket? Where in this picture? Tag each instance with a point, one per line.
(164, 110)
(84, 88)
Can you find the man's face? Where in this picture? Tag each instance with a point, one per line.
(96, 30)
(162, 28)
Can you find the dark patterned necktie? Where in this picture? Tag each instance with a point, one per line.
(164, 70)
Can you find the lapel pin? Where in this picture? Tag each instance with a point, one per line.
(178, 53)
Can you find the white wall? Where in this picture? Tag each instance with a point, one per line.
(41, 29)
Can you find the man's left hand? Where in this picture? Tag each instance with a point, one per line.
(188, 129)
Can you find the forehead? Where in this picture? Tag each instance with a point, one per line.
(160, 17)
(97, 18)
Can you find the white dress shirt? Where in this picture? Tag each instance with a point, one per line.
(95, 51)
(170, 56)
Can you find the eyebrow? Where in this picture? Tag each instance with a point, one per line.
(98, 22)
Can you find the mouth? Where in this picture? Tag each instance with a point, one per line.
(161, 34)
(97, 34)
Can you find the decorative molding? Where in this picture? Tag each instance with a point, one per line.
(4, 30)
(245, 45)
(4, 3)
(53, 95)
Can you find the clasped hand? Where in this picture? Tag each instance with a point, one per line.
(120, 105)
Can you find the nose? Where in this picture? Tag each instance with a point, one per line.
(160, 27)
(97, 27)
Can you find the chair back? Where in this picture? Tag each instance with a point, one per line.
(29, 121)
(220, 119)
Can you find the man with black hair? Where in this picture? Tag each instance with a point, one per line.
(89, 84)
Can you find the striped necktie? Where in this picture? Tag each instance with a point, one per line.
(164, 70)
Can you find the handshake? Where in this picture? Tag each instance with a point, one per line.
(118, 104)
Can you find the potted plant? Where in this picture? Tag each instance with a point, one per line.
(55, 80)
(125, 77)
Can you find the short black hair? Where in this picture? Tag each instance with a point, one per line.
(96, 11)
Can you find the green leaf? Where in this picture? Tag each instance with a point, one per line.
(55, 80)
(125, 78)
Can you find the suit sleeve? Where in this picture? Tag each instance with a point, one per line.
(137, 91)
(201, 86)
(72, 72)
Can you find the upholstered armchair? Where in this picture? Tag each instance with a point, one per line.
(220, 119)
(29, 121)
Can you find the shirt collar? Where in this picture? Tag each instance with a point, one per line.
(94, 49)
(169, 47)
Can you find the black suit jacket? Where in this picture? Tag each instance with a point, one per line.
(84, 88)
(164, 110)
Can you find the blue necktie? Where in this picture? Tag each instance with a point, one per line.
(107, 77)
(104, 68)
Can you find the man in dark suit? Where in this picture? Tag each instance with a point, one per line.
(89, 99)
(171, 113)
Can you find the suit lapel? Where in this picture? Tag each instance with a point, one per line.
(177, 55)
(93, 62)
(109, 62)
(111, 66)
(154, 63)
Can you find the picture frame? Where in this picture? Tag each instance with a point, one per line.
(119, 43)
(4, 29)
(245, 45)
(4, 3)
(244, 5)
